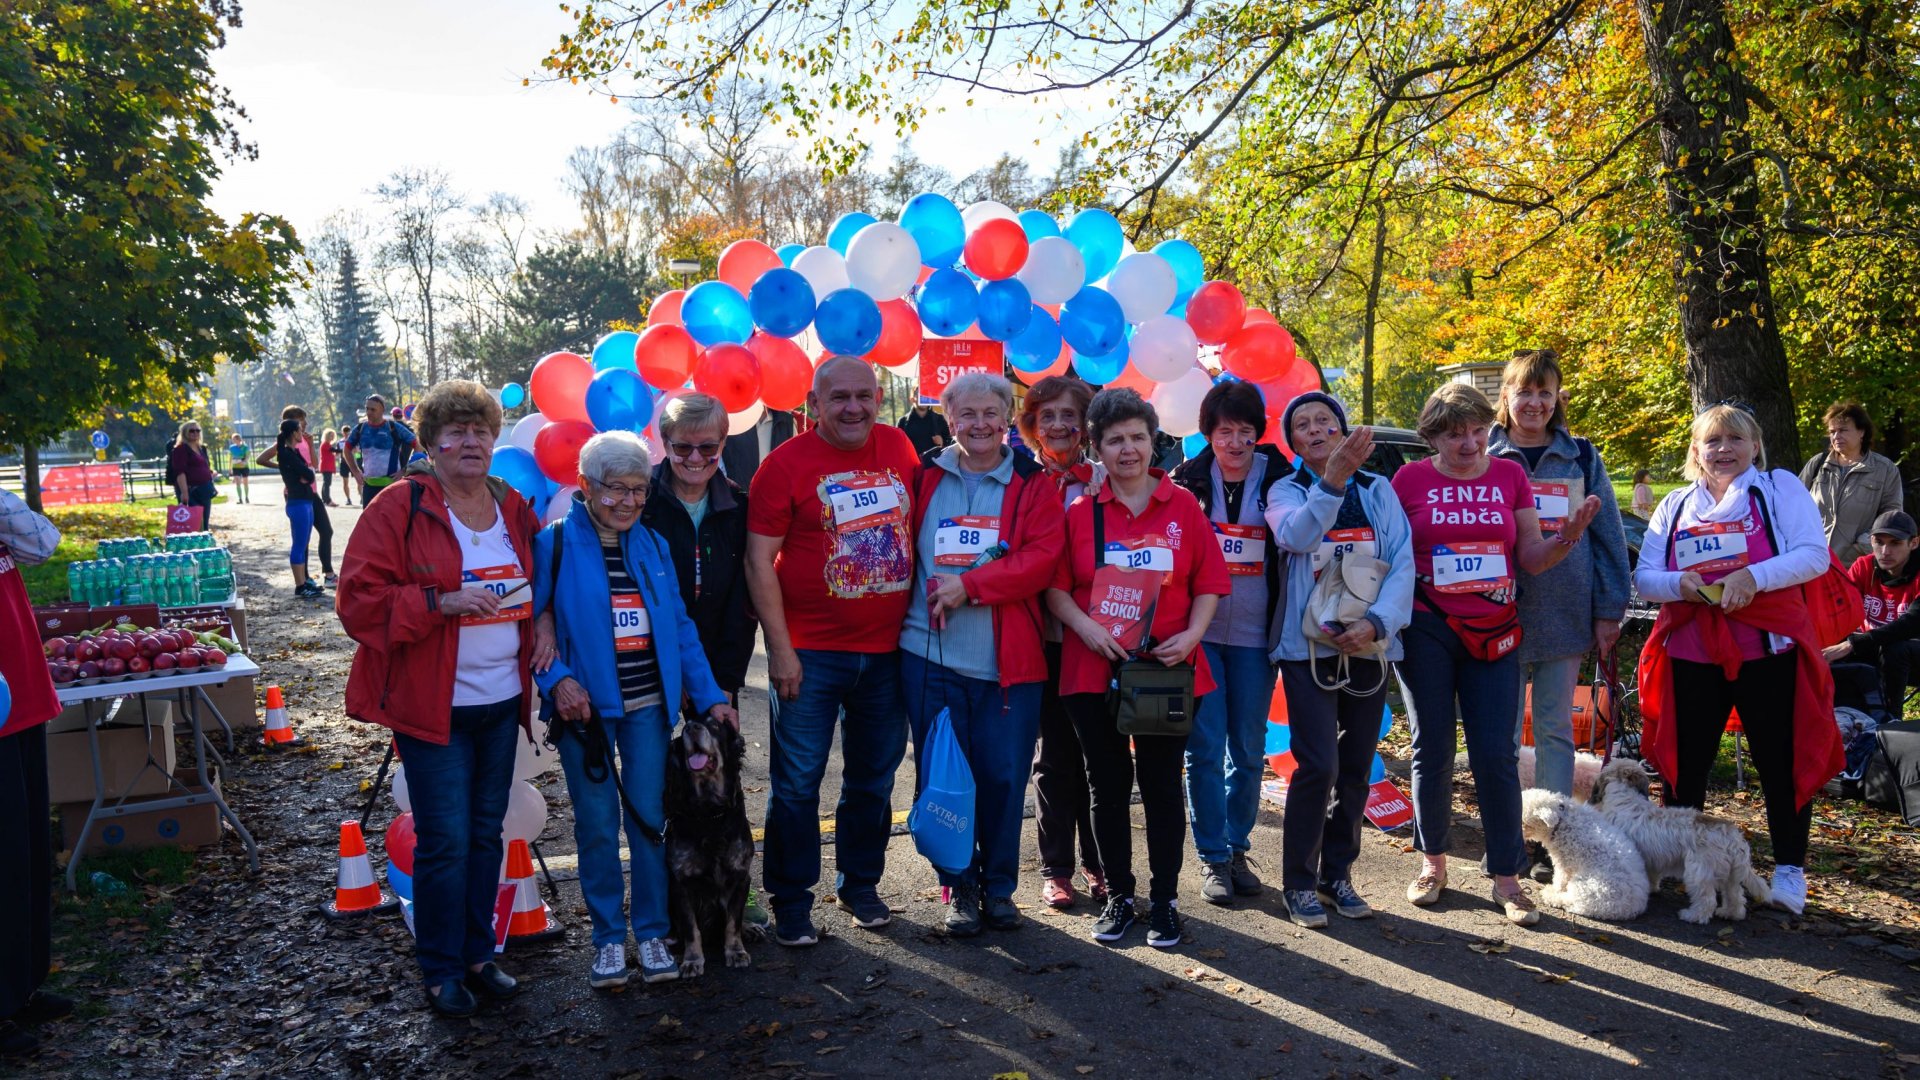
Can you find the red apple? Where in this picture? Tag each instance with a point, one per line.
(62, 673)
(89, 669)
(149, 646)
(85, 651)
(139, 665)
(122, 648)
(54, 647)
(164, 662)
(113, 667)
(189, 660)
(215, 657)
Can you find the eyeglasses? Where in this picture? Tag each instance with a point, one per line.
(193, 431)
(621, 492)
(685, 450)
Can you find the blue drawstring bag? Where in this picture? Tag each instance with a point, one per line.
(942, 818)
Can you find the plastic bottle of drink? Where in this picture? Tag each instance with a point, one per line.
(184, 582)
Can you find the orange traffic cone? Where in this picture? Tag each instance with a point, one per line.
(279, 732)
(531, 920)
(355, 892)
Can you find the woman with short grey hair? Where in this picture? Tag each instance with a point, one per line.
(628, 652)
(981, 384)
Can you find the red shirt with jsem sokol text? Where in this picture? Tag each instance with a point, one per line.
(1887, 598)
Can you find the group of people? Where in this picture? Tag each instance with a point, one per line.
(1006, 590)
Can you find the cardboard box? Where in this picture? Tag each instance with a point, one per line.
(183, 827)
(125, 750)
(66, 620)
(237, 702)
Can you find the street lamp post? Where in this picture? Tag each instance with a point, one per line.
(683, 267)
(399, 384)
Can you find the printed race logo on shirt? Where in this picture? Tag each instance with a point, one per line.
(1146, 553)
(863, 516)
(1244, 546)
(863, 500)
(959, 541)
(1470, 568)
(1120, 600)
(1343, 542)
(1711, 547)
(507, 583)
(632, 626)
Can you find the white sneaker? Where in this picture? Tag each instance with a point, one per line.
(656, 961)
(1790, 889)
(609, 966)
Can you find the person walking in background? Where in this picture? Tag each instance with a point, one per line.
(190, 471)
(1053, 421)
(329, 464)
(927, 429)
(1225, 753)
(830, 569)
(302, 503)
(1850, 483)
(1642, 493)
(240, 466)
(381, 449)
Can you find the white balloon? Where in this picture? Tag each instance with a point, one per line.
(526, 814)
(531, 759)
(823, 268)
(558, 506)
(1178, 403)
(984, 211)
(526, 428)
(739, 423)
(1055, 270)
(1144, 284)
(1164, 348)
(402, 797)
(883, 261)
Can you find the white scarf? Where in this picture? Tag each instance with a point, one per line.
(1733, 506)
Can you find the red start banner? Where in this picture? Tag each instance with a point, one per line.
(943, 360)
(72, 485)
(1387, 807)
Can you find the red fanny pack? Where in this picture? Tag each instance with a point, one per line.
(1485, 637)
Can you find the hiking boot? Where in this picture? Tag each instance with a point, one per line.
(795, 929)
(1346, 902)
(1115, 919)
(963, 912)
(1216, 883)
(1057, 893)
(1002, 914)
(609, 966)
(1164, 928)
(1790, 889)
(868, 910)
(1245, 882)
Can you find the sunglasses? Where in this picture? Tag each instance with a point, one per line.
(683, 450)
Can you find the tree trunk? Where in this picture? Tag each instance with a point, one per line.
(30, 475)
(1727, 316)
(1373, 311)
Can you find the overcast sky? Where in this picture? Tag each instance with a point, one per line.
(340, 93)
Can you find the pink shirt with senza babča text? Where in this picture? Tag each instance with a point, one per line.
(1464, 533)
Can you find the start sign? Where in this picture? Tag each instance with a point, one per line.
(943, 360)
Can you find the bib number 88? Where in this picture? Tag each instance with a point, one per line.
(970, 537)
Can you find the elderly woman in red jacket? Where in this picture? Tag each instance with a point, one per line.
(435, 589)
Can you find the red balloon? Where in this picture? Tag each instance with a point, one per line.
(1259, 353)
(1215, 311)
(742, 263)
(400, 842)
(559, 386)
(1260, 315)
(557, 449)
(666, 308)
(1130, 378)
(900, 334)
(731, 374)
(665, 355)
(996, 250)
(785, 372)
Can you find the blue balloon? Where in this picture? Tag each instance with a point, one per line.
(714, 311)
(788, 251)
(843, 230)
(1037, 224)
(512, 396)
(1193, 444)
(1386, 720)
(1092, 322)
(614, 351)
(1005, 309)
(1037, 347)
(521, 472)
(1189, 269)
(1379, 770)
(948, 303)
(848, 322)
(935, 225)
(6, 700)
(1099, 237)
(781, 302)
(399, 881)
(1279, 738)
(619, 400)
(1100, 370)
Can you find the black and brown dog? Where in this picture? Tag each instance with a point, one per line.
(709, 843)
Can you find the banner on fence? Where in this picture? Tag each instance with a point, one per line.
(72, 485)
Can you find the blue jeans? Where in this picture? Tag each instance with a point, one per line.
(866, 686)
(996, 730)
(639, 741)
(1553, 682)
(459, 805)
(1224, 751)
(1438, 672)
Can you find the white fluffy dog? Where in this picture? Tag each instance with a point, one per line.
(1597, 871)
(1710, 856)
(1586, 769)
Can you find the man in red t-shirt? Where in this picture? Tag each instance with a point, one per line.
(1889, 582)
(829, 567)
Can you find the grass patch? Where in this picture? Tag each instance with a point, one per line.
(1623, 491)
(101, 924)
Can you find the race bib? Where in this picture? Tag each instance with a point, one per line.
(1120, 601)
(1554, 499)
(1343, 542)
(510, 585)
(863, 501)
(1146, 553)
(1244, 546)
(958, 541)
(1711, 547)
(632, 626)
(1470, 568)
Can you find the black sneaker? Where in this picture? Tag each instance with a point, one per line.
(454, 999)
(1115, 919)
(868, 910)
(1216, 883)
(794, 929)
(963, 914)
(1164, 928)
(1002, 913)
(1245, 882)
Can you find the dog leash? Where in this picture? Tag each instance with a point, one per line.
(598, 765)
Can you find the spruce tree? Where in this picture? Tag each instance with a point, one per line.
(357, 360)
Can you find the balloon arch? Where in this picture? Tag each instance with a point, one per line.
(1057, 297)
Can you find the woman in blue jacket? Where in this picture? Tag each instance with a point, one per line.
(628, 652)
(1328, 507)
